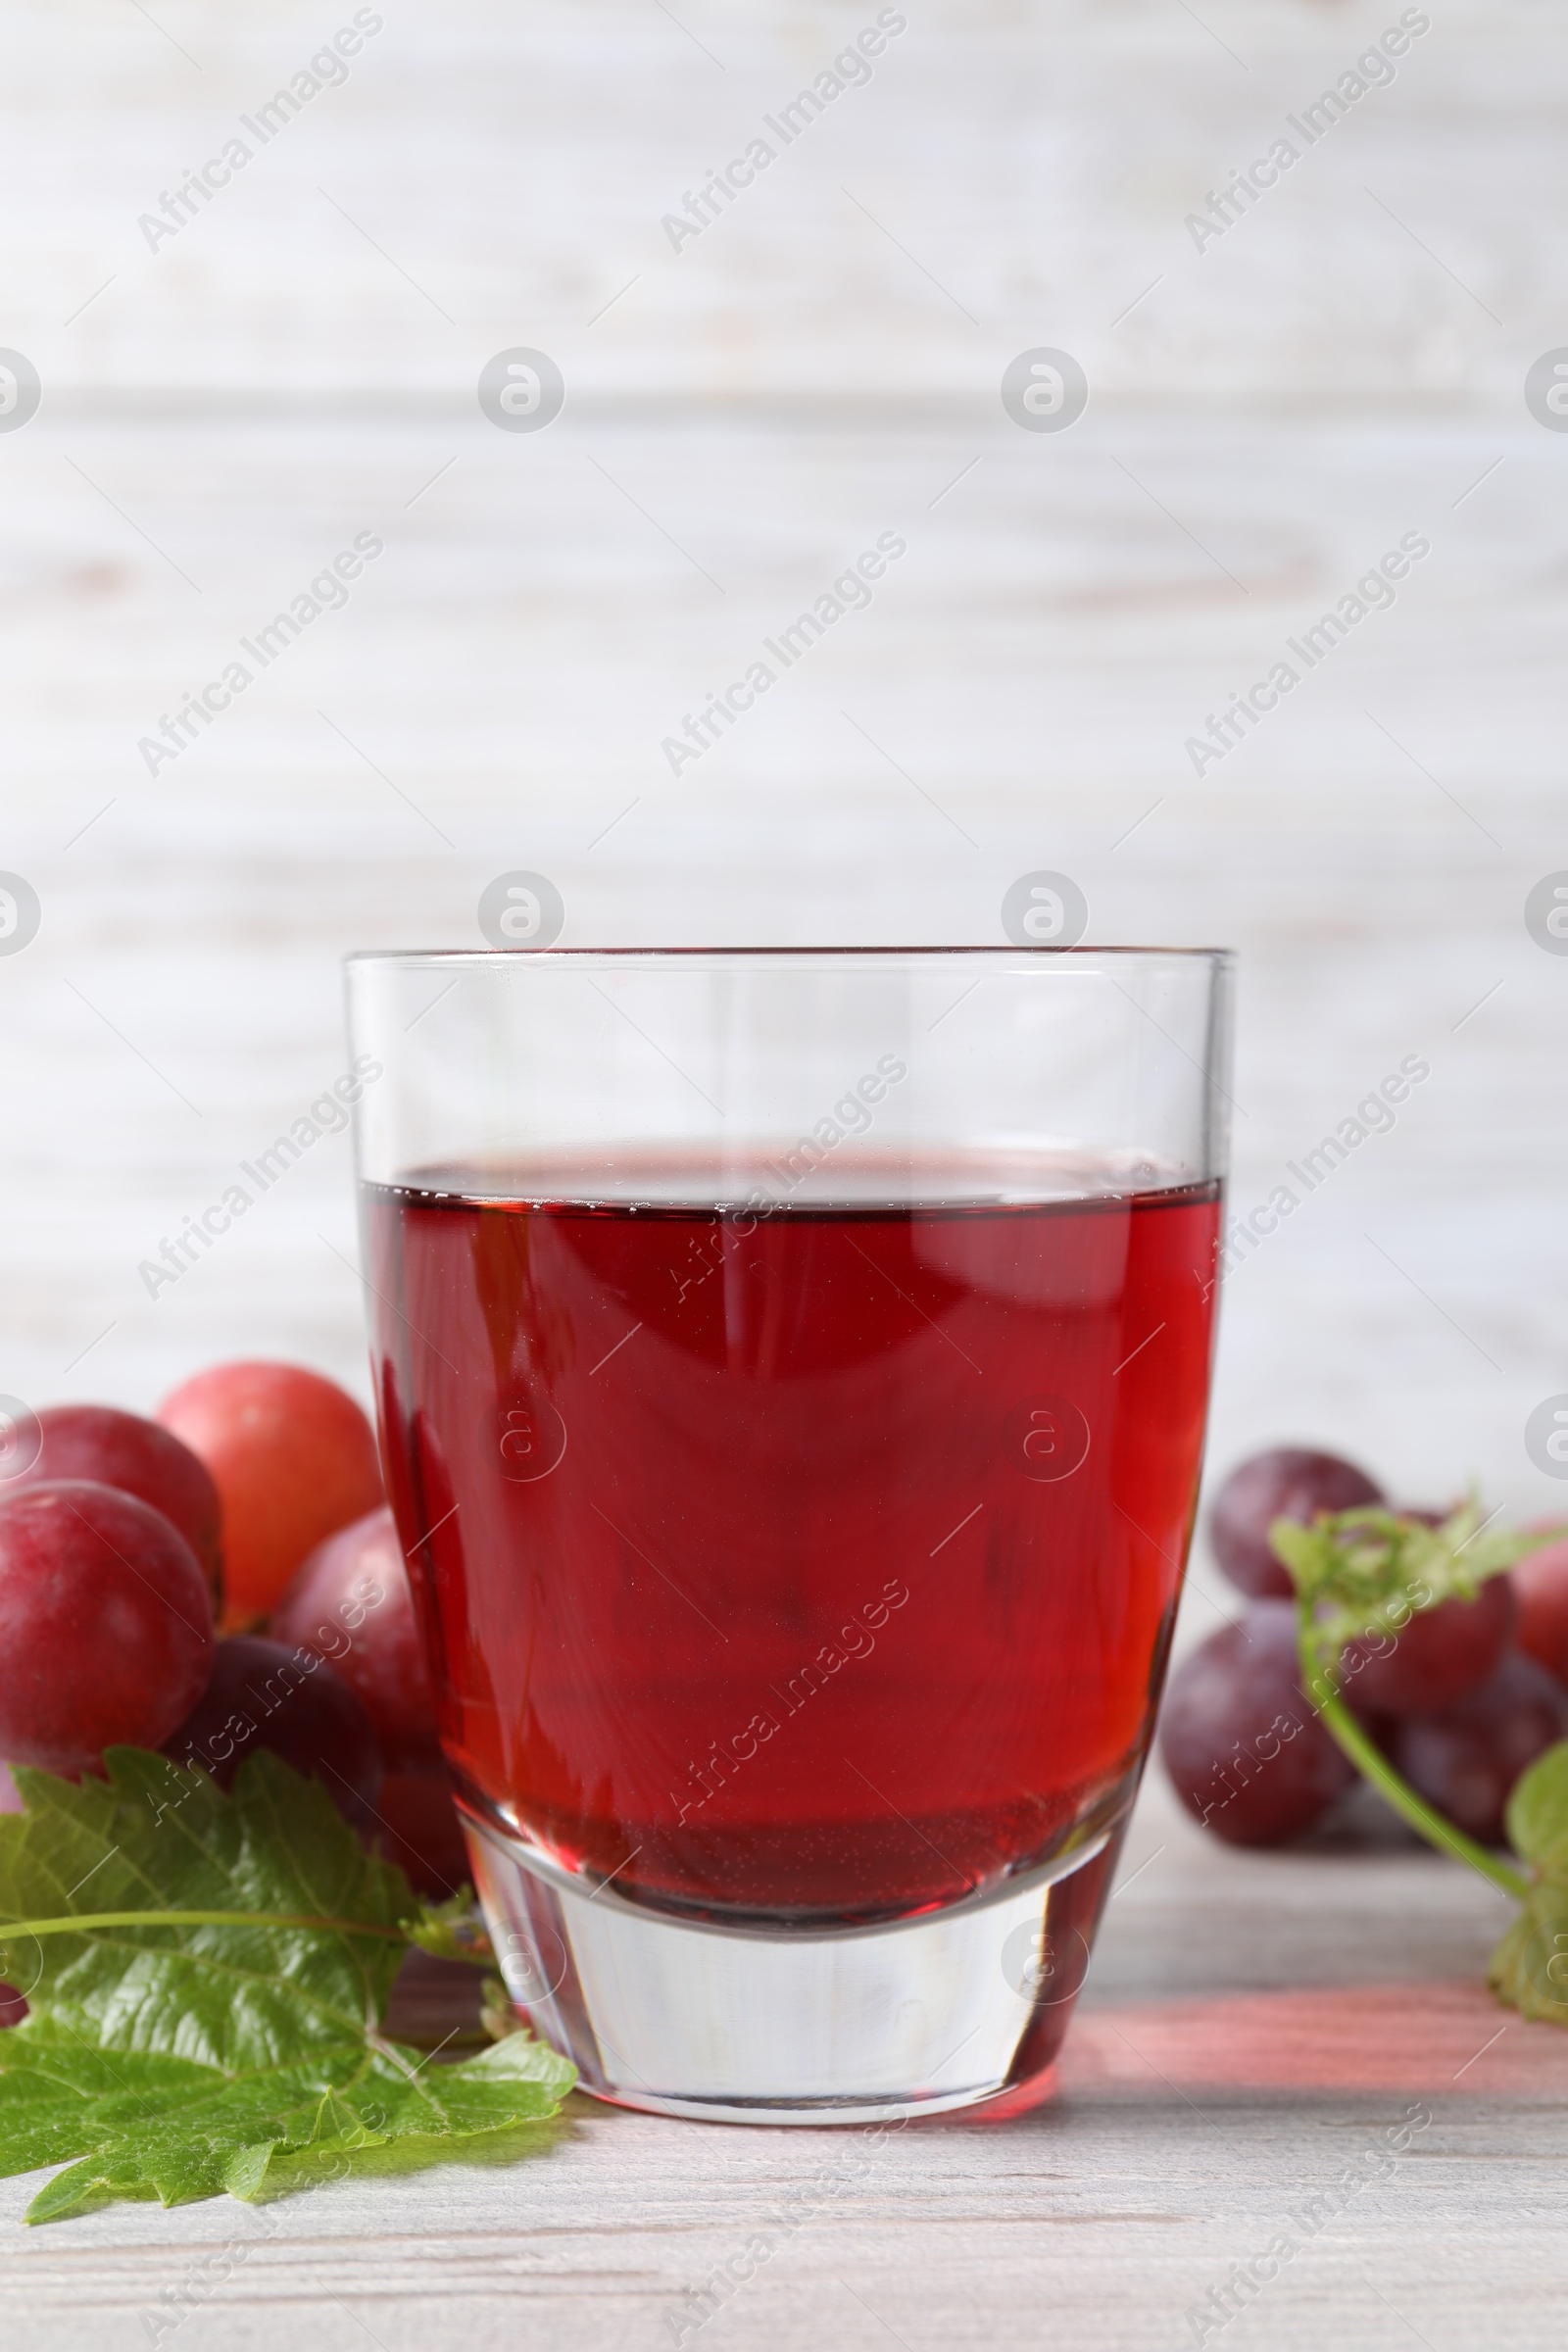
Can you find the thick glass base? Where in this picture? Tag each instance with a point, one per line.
(740, 2025)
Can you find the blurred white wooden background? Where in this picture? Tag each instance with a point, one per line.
(219, 416)
(222, 415)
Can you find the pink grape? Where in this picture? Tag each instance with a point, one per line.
(1540, 1589)
(1434, 1657)
(293, 1458)
(1286, 1482)
(137, 1457)
(351, 1605)
(1246, 1752)
(106, 1625)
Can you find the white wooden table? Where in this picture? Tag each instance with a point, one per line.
(1253, 2029)
(222, 415)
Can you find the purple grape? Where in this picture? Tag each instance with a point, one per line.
(261, 1695)
(1466, 1759)
(1434, 1659)
(1286, 1482)
(1245, 1750)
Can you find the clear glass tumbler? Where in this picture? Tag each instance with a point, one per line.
(792, 1370)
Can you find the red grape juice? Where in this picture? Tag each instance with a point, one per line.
(808, 1566)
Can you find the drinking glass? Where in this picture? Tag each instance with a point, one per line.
(792, 1369)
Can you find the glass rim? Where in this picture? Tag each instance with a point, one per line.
(893, 954)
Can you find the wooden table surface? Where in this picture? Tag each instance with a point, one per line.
(224, 411)
(1253, 2029)
(222, 415)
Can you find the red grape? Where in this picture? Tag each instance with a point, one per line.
(1286, 1483)
(1540, 1589)
(1245, 1750)
(138, 1456)
(263, 1695)
(1434, 1659)
(1466, 1759)
(421, 1833)
(351, 1603)
(294, 1459)
(106, 1625)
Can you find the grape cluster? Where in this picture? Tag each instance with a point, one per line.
(224, 1578)
(1461, 1699)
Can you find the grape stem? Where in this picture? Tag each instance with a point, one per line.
(77, 1922)
(1319, 1674)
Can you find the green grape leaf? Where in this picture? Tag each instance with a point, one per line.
(162, 1837)
(190, 2054)
(1368, 1570)
(1529, 1970)
(146, 2124)
(1538, 1813)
